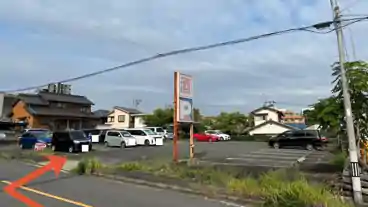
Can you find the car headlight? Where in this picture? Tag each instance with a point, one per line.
(76, 141)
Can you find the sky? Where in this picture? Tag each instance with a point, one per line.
(44, 41)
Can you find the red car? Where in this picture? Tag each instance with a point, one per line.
(205, 138)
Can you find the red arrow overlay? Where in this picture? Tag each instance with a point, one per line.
(56, 164)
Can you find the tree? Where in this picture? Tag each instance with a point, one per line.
(357, 77)
(163, 117)
(327, 113)
(233, 123)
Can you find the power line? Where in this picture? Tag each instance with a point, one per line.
(193, 49)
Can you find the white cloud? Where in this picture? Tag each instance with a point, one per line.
(44, 41)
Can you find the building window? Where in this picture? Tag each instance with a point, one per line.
(84, 109)
(111, 119)
(121, 118)
(60, 105)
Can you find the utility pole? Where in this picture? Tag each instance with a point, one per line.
(353, 154)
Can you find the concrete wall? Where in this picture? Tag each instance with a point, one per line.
(271, 115)
(268, 129)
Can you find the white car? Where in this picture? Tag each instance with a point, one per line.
(218, 133)
(2, 136)
(145, 136)
(158, 130)
(119, 138)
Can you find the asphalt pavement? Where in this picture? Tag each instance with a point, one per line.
(87, 191)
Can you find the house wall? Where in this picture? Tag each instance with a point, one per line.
(271, 115)
(139, 122)
(268, 129)
(116, 124)
(21, 114)
(72, 107)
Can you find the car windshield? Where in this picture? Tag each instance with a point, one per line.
(126, 134)
(42, 134)
(93, 132)
(159, 129)
(75, 135)
(149, 132)
(211, 132)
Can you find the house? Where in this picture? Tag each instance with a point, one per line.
(54, 111)
(123, 117)
(102, 114)
(6, 104)
(292, 118)
(268, 121)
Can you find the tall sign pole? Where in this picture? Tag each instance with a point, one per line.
(183, 109)
(176, 123)
(353, 154)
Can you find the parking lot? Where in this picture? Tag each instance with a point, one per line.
(227, 153)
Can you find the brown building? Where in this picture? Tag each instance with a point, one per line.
(54, 111)
(293, 118)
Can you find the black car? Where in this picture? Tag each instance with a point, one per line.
(308, 139)
(71, 141)
(96, 135)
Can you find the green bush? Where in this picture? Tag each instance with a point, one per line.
(283, 188)
(88, 166)
(339, 160)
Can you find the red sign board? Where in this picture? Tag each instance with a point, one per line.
(40, 146)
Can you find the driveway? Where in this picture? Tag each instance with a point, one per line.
(87, 191)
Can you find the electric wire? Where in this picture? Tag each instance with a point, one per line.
(192, 49)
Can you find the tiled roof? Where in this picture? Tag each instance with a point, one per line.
(129, 110)
(297, 125)
(101, 113)
(33, 99)
(65, 98)
(46, 111)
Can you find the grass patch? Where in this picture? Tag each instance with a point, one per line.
(339, 160)
(284, 188)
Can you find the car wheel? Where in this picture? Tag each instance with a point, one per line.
(123, 145)
(71, 149)
(146, 142)
(276, 145)
(309, 147)
(107, 144)
(210, 140)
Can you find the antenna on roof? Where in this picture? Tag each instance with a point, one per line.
(136, 103)
(269, 103)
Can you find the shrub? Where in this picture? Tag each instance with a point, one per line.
(132, 166)
(88, 166)
(339, 160)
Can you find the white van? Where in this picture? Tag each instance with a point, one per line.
(146, 137)
(119, 138)
(157, 130)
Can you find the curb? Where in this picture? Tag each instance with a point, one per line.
(234, 199)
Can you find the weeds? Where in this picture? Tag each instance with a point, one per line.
(339, 160)
(277, 189)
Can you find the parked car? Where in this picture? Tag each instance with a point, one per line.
(119, 138)
(2, 136)
(29, 139)
(71, 141)
(34, 129)
(199, 137)
(158, 130)
(96, 135)
(218, 133)
(308, 139)
(145, 136)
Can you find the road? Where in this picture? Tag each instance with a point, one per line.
(232, 152)
(87, 191)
